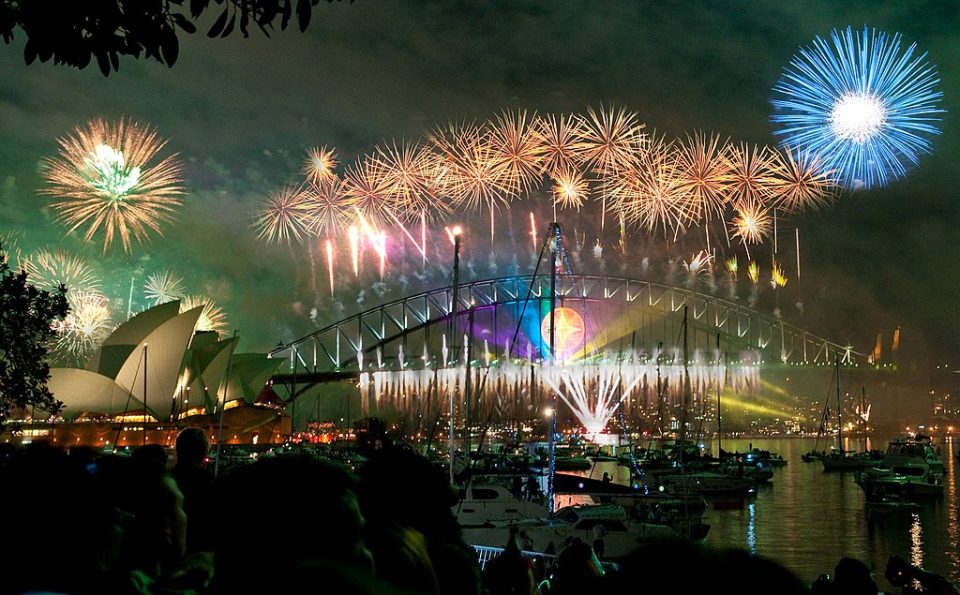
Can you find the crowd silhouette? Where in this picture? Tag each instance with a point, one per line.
(78, 522)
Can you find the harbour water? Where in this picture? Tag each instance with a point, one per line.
(807, 519)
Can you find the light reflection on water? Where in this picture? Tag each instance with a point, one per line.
(916, 540)
(807, 519)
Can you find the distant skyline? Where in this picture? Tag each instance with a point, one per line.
(243, 112)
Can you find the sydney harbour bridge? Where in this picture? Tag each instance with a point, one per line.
(484, 350)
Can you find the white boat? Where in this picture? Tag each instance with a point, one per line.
(911, 469)
(483, 503)
(488, 509)
(592, 524)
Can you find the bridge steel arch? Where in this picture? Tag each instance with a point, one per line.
(334, 349)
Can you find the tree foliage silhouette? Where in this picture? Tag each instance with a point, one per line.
(74, 32)
(26, 315)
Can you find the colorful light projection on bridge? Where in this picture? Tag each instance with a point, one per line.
(570, 331)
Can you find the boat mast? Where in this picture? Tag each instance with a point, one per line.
(144, 392)
(686, 390)
(454, 302)
(552, 462)
(839, 407)
(719, 390)
(660, 394)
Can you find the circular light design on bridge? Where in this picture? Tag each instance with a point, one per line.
(569, 330)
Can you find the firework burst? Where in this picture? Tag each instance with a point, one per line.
(649, 193)
(800, 182)
(474, 177)
(705, 174)
(751, 223)
(516, 145)
(777, 276)
(570, 189)
(287, 216)
(866, 108)
(610, 139)
(212, 318)
(699, 266)
(108, 177)
(732, 267)
(320, 165)
(408, 171)
(370, 191)
(560, 141)
(331, 210)
(751, 175)
(164, 286)
(48, 269)
(84, 328)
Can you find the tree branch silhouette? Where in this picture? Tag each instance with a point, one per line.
(76, 32)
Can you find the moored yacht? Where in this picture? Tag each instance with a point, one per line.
(911, 469)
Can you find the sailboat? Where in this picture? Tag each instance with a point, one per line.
(816, 454)
(838, 459)
(688, 476)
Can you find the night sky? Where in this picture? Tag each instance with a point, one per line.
(242, 112)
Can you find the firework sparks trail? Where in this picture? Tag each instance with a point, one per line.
(777, 277)
(329, 251)
(107, 177)
(590, 392)
(866, 108)
(354, 235)
(753, 271)
(733, 266)
(698, 266)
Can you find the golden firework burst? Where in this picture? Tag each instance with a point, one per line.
(320, 165)
(751, 223)
(800, 182)
(287, 216)
(610, 138)
(570, 189)
(107, 177)
(705, 174)
(47, 269)
(212, 317)
(560, 138)
(517, 146)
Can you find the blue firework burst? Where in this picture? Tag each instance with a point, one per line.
(866, 108)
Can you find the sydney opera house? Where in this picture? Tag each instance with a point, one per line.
(155, 375)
